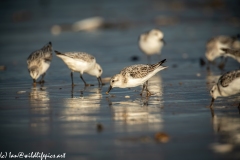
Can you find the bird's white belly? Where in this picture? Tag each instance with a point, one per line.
(45, 66)
(151, 47)
(134, 83)
(138, 81)
(78, 66)
(232, 88)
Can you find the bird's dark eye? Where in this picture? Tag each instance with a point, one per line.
(100, 70)
(112, 81)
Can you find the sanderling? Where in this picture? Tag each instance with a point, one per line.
(234, 53)
(151, 42)
(83, 63)
(214, 45)
(228, 84)
(39, 62)
(136, 75)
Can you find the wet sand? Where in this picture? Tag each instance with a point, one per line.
(85, 123)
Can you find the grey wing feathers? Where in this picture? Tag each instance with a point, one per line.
(136, 71)
(80, 55)
(43, 53)
(228, 77)
(141, 70)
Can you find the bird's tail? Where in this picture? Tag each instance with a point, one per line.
(161, 62)
(47, 47)
(58, 53)
(158, 64)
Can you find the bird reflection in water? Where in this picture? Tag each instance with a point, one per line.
(139, 112)
(81, 105)
(39, 97)
(40, 111)
(155, 86)
(227, 127)
(87, 88)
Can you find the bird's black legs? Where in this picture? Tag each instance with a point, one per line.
(42, 79)
(145, 86)
(72, 78)
(239, 108)
(34, 83)
(85, 81)
(212, 101)
(100, 81)
(148, 92)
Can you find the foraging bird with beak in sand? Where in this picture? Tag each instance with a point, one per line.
(136, 75)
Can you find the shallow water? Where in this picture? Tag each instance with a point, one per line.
(56, 119)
